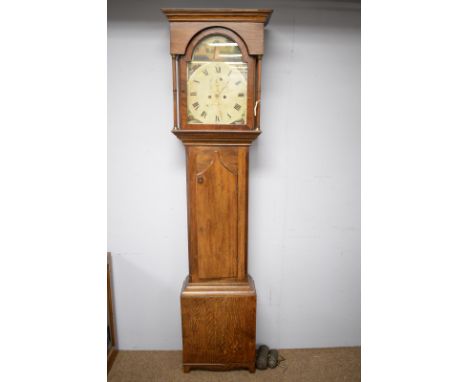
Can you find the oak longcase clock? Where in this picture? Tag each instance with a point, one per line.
(216, 64)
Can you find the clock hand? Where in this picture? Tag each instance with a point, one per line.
(219, 92)
(225, 86)
(216, 92)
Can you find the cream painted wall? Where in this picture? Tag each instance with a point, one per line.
(304, 228)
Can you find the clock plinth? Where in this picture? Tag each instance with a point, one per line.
(218, 325)
(216, 61)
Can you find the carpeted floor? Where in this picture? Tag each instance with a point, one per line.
(315, 365)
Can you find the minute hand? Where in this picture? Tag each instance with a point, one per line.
(225, 86)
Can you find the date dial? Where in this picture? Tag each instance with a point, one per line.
(217, 94)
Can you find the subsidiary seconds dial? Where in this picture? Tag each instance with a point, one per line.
(217, 94)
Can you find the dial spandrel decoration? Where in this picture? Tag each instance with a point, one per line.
(217, 83)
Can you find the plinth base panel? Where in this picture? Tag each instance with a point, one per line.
(218, 325)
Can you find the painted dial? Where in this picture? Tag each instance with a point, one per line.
(217, 94)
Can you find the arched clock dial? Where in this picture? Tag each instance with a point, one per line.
(217, 94)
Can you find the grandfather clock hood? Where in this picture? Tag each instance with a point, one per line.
(216, 71)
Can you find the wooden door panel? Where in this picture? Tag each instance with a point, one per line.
(216, 197)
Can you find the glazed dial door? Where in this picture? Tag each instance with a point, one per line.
(217, 83)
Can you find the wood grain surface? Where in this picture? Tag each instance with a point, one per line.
(216, 212)
(112, 351)
(218, 326)
(217, 183)
(182, 33)
(219, 137)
